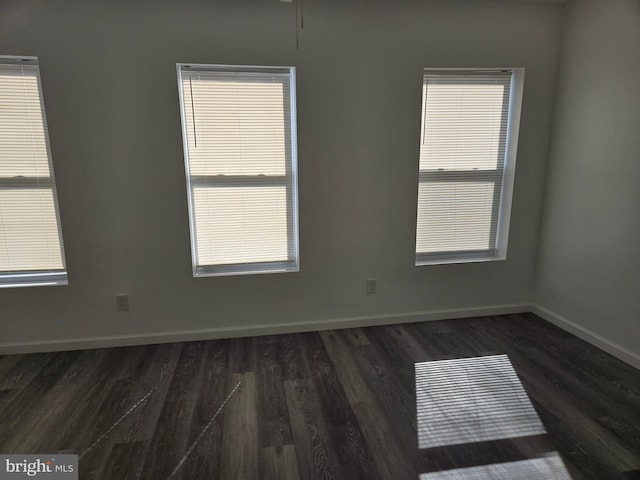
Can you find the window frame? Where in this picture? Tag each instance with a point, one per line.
(502, 197)
(289, 180)
(35, 278)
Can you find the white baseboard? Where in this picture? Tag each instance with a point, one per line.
(608, 346)
(254, 330)
(599, 341)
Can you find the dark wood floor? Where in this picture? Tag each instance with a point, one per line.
(328, 405)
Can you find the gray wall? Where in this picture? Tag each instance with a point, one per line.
(108, 69)
(589, 256)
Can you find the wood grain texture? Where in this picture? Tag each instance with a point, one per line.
(315, 453)
(311, 406)
(279, 463)
(240, 450)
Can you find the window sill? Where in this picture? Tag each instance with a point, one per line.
(251, 269)
(33, 280)
(452, 258)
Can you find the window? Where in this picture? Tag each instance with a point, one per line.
(31, 250)
(239, 140)
(468, 142)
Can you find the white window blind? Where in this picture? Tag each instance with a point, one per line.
(31, 250)
(240, 156)
(467, 152)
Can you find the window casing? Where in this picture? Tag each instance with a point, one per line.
(31, 246)
(468, 143)
(239, 141)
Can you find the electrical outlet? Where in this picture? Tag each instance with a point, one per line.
(122, 302)
(372, 286)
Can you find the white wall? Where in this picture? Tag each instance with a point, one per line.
(589, 258)
(108, 71)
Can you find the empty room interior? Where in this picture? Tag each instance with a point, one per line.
(320, 239)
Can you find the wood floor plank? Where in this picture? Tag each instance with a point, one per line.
(317, 459)
(356, 337)
(392, 458)
(170, 440)
(21, 369)
(59, 402)
(397, 400)
(157, 375)
(90, 412)
(273, 419)
(353, 458)
(7, 363)
(154, 367)
(279, 463)
(289, 355)
(95, 443)
(400, 345)
(240, 455)
(242, 355)
(29, 401)
(123, 461)
(206, 459)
